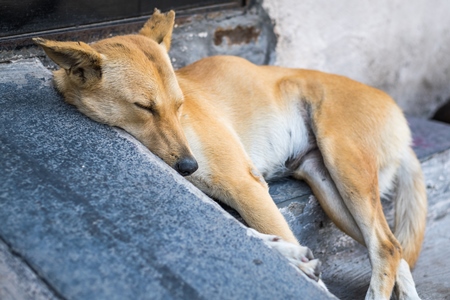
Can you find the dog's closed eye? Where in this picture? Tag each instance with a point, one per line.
(149, 108)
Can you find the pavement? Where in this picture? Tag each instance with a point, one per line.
(88, 213)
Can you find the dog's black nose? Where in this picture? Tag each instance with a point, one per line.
(186, 166)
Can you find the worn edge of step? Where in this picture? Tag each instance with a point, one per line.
(22, 264)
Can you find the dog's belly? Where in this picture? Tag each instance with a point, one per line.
(276, 140)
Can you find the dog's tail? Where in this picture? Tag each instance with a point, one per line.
(410, 207)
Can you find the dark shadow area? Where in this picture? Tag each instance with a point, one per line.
(28, 16)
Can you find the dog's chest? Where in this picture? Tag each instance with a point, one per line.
(275, 140)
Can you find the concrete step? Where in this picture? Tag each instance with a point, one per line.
(88, 213)
(346, 268)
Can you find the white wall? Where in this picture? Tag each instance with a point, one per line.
(401, 47)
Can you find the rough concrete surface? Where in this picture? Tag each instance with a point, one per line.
(95, 215)
(18, 281)
(399, 46)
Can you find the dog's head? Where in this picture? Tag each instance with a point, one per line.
(128, 82)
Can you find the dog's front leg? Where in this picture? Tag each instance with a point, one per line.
(248, 194)
(227, 174)
(298, 256)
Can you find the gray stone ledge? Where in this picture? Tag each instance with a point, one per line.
(18, 281)
(95, 215)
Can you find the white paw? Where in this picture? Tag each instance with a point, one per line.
(405, 288)
(299, 256)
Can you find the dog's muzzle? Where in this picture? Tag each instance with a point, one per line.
(186, 166)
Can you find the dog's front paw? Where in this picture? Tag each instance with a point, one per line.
(299, 256)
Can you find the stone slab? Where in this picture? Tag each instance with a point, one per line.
(18, 281)
(430, 138)
(93, 214)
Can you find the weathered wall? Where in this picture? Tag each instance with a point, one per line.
(247, 33)
(399, 46)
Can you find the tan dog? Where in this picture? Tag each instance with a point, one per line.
(240, 124)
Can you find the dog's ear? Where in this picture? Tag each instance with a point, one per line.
(81, 62)
(159, 27)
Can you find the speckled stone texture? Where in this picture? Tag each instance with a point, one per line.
(90, 214)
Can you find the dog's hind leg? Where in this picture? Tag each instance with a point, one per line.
(405, 288)
(314, 172)
(359, 214)
(355, 174)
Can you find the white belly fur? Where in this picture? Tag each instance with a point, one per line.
(275, 139)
